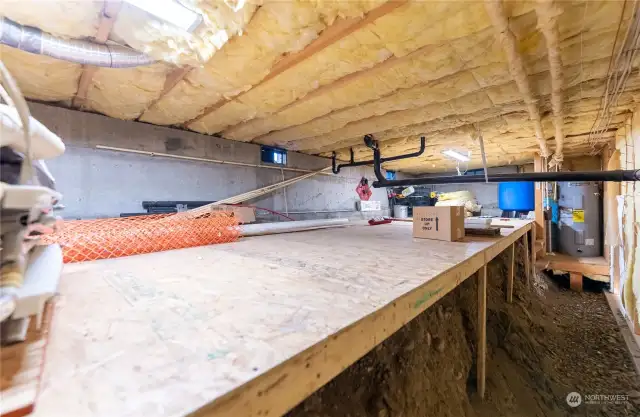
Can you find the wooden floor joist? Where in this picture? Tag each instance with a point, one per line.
(173, 78)
(110, 11)
(271, 329)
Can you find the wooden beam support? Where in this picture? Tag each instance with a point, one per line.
(110, 10)
(527, 265)
(340, 29)
(587, 265)
(481, 364)
(539, 166)
(575, 281)
(511, 260)
(173, 78)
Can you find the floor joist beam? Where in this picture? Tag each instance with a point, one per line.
(110, 10)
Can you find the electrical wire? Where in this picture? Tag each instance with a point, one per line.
(619, 71)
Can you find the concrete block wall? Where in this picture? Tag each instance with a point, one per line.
(101, 183)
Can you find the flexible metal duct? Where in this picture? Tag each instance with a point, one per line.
(84, 52)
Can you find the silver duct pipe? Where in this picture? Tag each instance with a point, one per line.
(84, 52)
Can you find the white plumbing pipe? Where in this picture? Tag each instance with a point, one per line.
(287, 227)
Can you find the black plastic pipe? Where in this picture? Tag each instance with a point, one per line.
(336, 168)
(611, 176)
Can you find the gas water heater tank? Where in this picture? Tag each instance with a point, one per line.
(580, 219)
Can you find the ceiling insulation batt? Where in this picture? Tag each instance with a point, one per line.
(125, 92)
(168, 43)
(445, 97)
(395, 34)
(40, 77)
(66, 19)
(476, 61)
(276, 29)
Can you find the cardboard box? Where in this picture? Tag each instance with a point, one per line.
(439, 223)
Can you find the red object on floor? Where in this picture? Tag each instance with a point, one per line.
(373, 222)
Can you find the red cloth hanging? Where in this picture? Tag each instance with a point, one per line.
(363, 189)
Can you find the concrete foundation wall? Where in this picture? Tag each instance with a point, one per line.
(101, 183)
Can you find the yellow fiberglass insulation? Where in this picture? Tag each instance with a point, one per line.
(40, 77)
(125, 92)
(276, 29)
(359, 51)
(478, 52)
(169, 43)
(69, 18)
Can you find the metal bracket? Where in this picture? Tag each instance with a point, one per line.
(371, 143)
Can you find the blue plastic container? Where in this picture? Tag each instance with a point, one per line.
(516, 196)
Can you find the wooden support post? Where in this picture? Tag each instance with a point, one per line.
(482, 330)
(539, 166)
(511, 260)
(527, 265)
(575, 281)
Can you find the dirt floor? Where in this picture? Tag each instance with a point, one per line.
(548, 343)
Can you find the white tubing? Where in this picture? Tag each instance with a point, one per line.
(287, 227)
(44, 143)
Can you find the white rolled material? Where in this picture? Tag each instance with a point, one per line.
(287, 227)
(44, 143)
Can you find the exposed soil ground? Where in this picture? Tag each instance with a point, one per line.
(548, 343)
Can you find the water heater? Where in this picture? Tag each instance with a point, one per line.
(580, 220)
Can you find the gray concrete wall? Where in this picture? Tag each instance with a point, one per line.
(101, 183)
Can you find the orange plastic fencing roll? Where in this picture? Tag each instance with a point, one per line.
(89, 240)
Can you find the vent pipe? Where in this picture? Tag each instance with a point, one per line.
(84, 52)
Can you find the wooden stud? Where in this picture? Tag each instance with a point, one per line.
(511, 265)
(527, 267)
(110, 11)
(482, 331)
(539, 166)
(616, 286)
(575, 281)
(172, 79)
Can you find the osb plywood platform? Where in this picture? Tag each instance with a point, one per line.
(243, 329)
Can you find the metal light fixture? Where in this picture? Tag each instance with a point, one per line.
(456, 155)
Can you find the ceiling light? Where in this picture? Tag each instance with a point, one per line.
(456, 155)
(170, 11)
